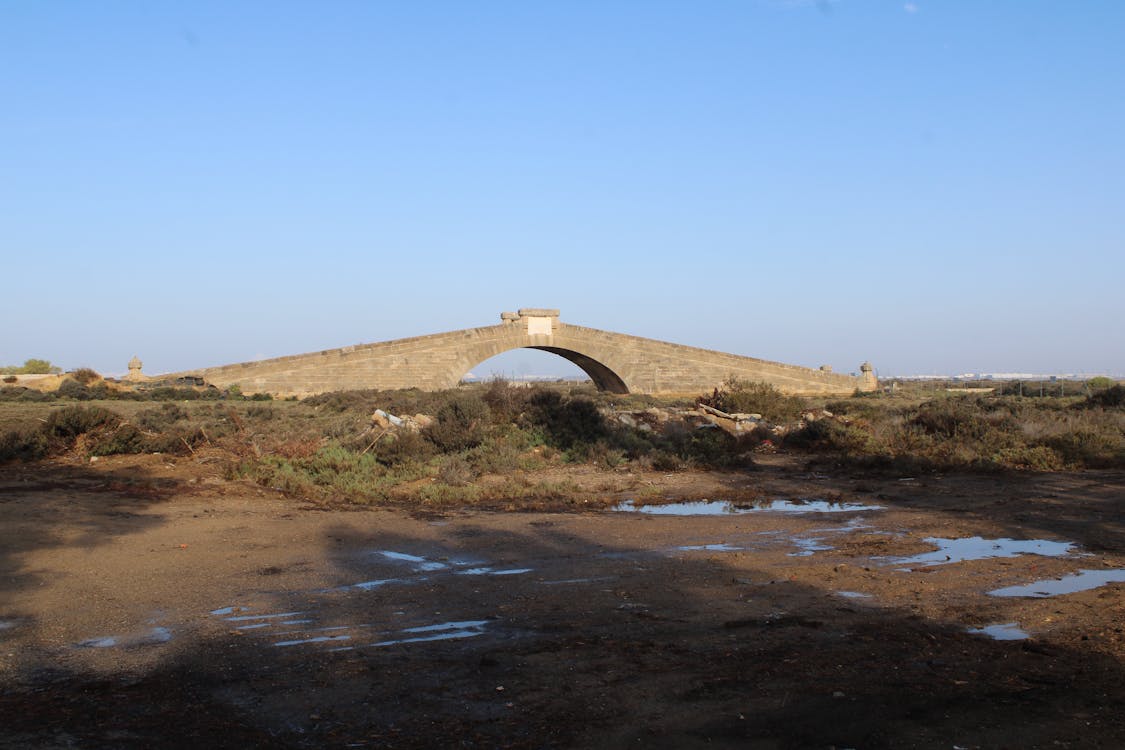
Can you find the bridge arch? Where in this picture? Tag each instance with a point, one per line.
(600, 374)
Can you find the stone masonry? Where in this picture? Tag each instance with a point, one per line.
(616, 362)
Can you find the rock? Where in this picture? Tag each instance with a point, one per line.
(385, 420)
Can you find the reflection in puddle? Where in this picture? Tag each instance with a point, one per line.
(976, 548)
(1083, 580)
(420, 563)
(368, 585)
(153, 636)
(6, 624)
(853, 595)
(709, 548)
(491, 572)
(314, 639)
(722, 508)
(274, 616)
(806, 547)
(444, 631)
(1008, 631)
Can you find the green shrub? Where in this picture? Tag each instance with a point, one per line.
(23, 445)
(737, 396)
(568, 423)
(1109, 398)
(505, 401)
(73, 389)
(85, 375)
(155, 420)
(1089, 448)
(71, 421)
(402, 447)
(460, 423)
(1100, 383)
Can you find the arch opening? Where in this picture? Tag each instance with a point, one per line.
(602, 376)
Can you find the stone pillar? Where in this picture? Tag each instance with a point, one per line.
(135, 374)
(868, 379)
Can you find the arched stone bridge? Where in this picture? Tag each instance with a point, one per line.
(615, 362)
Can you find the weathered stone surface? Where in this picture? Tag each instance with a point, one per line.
(616, 362)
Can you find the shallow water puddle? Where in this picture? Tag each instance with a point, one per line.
(722, 547)
(444, 631)
(490, 572)
(853, 595)
(1083, 580)
(1007, 631)
(726, 508)
(807, 546)
(978, 548)
(420, 564)
(153, 636)
(314, 639)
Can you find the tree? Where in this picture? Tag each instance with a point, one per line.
(31, 367)
(39, 367)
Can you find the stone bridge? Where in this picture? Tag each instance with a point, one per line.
(615, 362)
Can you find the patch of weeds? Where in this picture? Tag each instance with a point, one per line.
(23, 445)
(71, 421)
(461, 423)
(737, 396)
(455, 471)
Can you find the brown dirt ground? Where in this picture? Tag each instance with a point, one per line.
(587, 628)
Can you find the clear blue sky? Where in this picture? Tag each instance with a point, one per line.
(933, 186)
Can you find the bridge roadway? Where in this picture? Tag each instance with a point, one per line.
(616, 362)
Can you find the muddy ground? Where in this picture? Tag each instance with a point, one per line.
(146, 602)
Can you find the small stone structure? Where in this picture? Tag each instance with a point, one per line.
(616, 362)
(135, 374)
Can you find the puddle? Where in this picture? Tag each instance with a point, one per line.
(1083, 580)
(7, 624)
(274, 616)
(726, 508)
(444, 631)
(709, 548)
(1008, 631)
(853, 595)
(153, 636)
(368, 585)
(314, 639)
(806, 547)
(420, 564)
(491, 572)
(977, 548)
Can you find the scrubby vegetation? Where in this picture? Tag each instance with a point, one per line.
(491, 442)
(31, 367)
(973, 432)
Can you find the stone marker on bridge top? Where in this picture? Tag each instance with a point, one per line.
(539, 321)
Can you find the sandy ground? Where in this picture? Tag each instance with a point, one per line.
(149, 603)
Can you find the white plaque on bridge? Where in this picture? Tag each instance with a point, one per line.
(538, 326)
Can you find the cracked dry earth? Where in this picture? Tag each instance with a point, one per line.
(929, 612)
